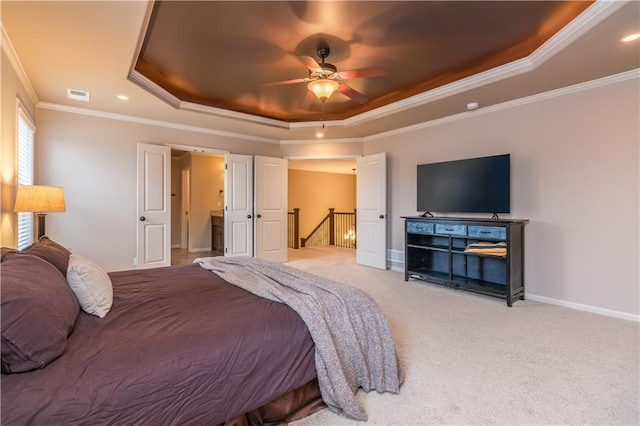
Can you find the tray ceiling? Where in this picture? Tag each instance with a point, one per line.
(218, 53)
(212, 57)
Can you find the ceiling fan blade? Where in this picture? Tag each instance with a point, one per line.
(363, 72)
(308, 100)
(352, 93)
(280, 83)
(310, 63)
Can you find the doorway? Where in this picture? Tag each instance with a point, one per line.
(197, 182)
(315, 186)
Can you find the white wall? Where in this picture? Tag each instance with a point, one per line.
(323, 149)
(575, 176)
(94, 159)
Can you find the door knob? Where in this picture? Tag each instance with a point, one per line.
(381, 216)
(258, 216)
(142, 218)
(248, 216)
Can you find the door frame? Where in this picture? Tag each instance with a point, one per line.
(185, 206)
(195, 149)
(328, 158)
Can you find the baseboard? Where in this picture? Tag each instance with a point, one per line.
(581, 307)
(175, 246)
(395, 266)
(395, 260)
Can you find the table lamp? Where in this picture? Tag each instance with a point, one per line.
(40, 200)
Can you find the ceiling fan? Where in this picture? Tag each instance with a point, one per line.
(324, 79)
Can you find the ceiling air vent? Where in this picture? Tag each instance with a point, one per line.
(79, 95)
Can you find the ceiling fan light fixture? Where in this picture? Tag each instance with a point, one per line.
(323, 88)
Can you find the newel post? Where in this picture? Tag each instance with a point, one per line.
(332, 227)
(296, 227)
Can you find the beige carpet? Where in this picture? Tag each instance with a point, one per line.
(470, 359)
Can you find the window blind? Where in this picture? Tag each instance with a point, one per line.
(26, 131)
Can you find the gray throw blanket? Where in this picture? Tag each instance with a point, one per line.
(353, 343)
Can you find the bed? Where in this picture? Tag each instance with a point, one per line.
(180, 345)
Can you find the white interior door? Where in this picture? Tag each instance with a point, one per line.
(154, 206)
(271, 197)
(371, 211)
(238, 209)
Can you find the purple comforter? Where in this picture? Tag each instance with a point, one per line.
(179, 346)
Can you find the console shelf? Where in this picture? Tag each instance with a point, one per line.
(435, 252)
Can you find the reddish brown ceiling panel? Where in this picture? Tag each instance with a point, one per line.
(218, 53)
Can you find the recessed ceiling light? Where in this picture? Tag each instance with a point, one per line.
(123, 97)
(631, 37)
(472, 105)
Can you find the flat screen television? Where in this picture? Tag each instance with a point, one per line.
(474, 185)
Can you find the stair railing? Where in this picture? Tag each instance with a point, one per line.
(293, 228)
(345, 229)
(335, 229)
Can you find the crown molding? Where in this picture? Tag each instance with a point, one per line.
(190, 106)
(592, 16)
(151, 122)
(153, 88)
(322, 157)
(14, 60)
(163, 94)
(139, 79)
(616, 78)
(319, 141)
(604, 81)
(597, 12)
(310, 124)
(496, 74)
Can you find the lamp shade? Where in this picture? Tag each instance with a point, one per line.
(323, 88)
(39, 199)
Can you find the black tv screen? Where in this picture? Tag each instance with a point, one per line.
(475, 185)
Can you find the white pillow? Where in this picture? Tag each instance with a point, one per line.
(91, 285)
